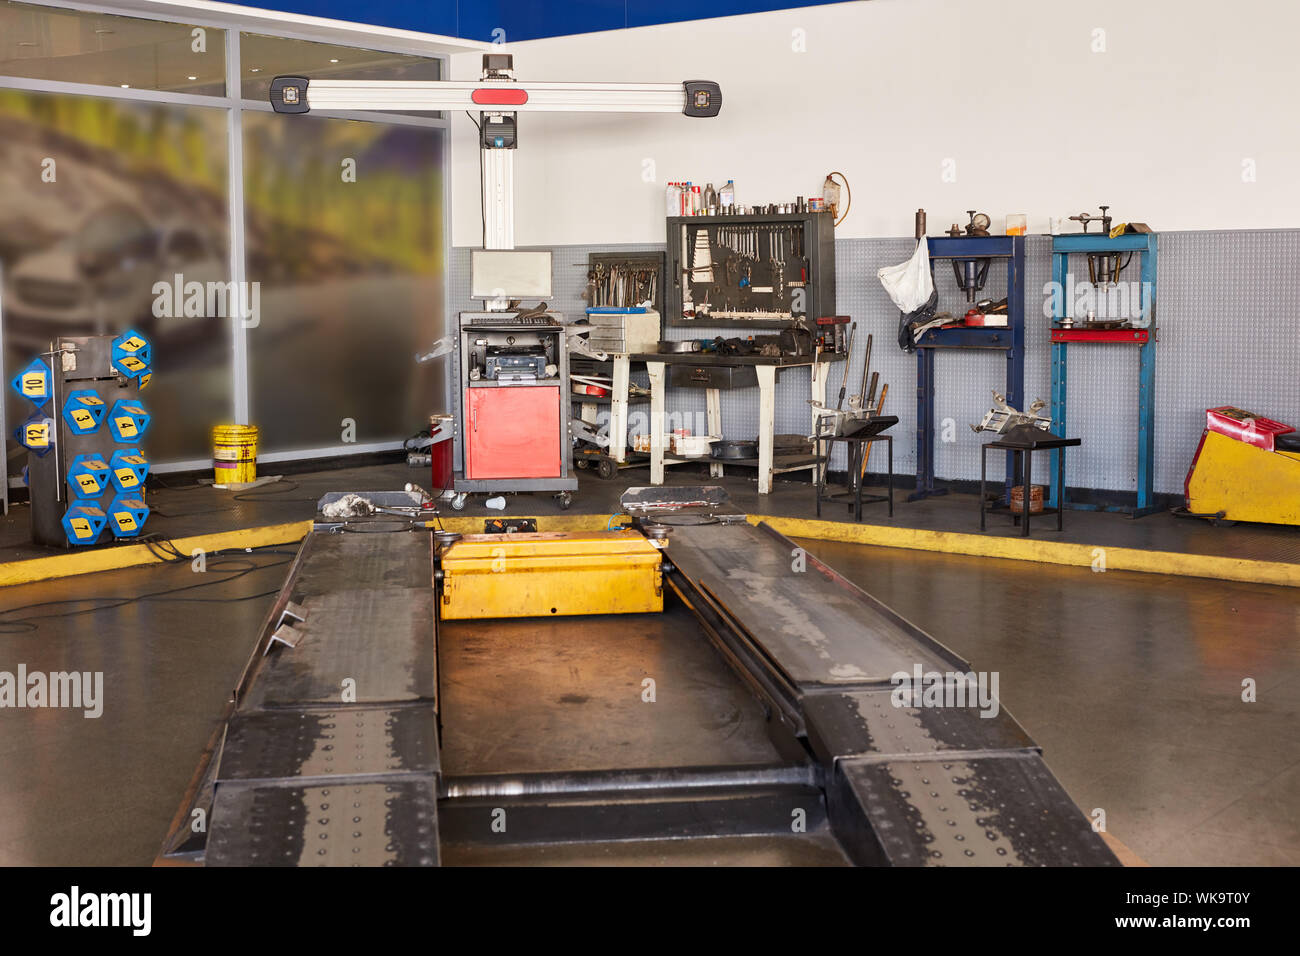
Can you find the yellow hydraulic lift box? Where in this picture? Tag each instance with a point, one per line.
(550, 574)
(1244, 482)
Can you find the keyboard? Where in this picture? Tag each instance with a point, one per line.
(510, 319)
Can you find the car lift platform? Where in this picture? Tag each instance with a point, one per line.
(753, 721)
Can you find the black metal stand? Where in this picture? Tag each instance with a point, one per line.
(1023, 451)
(854, 497)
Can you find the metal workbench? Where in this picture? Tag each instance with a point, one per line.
(766, 369)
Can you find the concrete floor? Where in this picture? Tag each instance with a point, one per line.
(561, 677)
(1130, 682)
(102, 792)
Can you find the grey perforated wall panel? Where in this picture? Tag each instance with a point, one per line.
(1229, 315)
(1228, 312)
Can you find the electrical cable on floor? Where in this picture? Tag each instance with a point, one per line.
(185, 514)
(157, 482)
(151, 541)
(27, 624)
(251, 494)
(286, 486)
(107, 603)
(162, 548)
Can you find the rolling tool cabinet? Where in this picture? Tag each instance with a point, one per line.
(515, 403)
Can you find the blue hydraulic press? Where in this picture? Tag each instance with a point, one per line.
(1108, 254)
(970, 256)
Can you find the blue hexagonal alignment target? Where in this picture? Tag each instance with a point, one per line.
(84, 411)
(34, 383)
(83, 522)
(132, 342)
(132, 354)
(88, 476)
(129, 470)
(127, 420)
(126, 516)
(36, 434)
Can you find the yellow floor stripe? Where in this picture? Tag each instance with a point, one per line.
(949, 542)
(134, 555)
(129, 556)
(1048, 552)
(1121, 850)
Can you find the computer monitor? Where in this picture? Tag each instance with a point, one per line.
(510, 274)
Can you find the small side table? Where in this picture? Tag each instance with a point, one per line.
(856, 449)
(1024, 441)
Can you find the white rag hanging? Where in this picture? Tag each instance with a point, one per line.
(910, 283)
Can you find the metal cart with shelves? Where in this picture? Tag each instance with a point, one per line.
(607, 453)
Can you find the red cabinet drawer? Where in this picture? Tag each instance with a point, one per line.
(512, 432)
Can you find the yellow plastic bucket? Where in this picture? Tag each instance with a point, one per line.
(234, 454)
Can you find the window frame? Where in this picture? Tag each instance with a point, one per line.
(292, 27)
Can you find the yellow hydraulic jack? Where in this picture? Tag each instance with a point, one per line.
(1247, 468)
(551, 574)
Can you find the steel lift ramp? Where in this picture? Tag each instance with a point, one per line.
(768, 733)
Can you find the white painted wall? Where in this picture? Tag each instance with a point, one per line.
(1158, 125)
